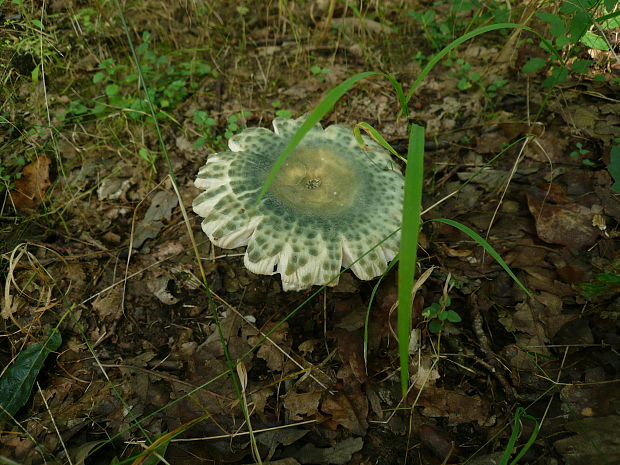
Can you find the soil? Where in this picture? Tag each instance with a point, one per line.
(95, 242)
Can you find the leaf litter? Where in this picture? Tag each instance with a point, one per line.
(142, 353)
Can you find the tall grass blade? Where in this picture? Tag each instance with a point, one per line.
(378, 138)
(470, 35)
(514, 435)
(490, 250)
(325, 106)
(147, 94)
(410, 228)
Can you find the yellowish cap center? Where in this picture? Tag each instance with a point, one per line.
(316, 179)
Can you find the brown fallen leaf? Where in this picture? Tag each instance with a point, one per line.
(457, 407)
(275, 349)
(350, 350)
(305, 403)
(348, 409)
(437, 441)
(339, 454)
(567, 224)
(30, 188)
(596, 441)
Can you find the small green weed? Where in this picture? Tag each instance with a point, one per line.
(169, 84)
(438, 314)
(276, 104)
(446, 20)
(580, 153)
(235, 123)
(149, 157)
(606, 283)
(207, 128)
(574, 28)
(469, 78)
(510, 452)
(88, 19)
(319, 73)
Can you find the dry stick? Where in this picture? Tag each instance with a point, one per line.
(510, 47)
(277, 346)
(131, 236)
(47, 107)
(557, 379)
(235, 435)
(501, 199)
(492, 365)
(64, 447)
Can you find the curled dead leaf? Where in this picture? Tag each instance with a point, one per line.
(348, 410)
(567, 224)
(299, 404)
(30, 188)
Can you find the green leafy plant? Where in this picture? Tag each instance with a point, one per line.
(277, 105)
(18, 380)
(580, 153)
(87, 18)
(469, 78)
(149, 157)
(493, 87)
(603, 284)
(446, 20)
(577, 25)
(517, 429)
(438, 314)
(319, 73)
(207, 128)
(235, 123)
(170, 84)
(614, 165)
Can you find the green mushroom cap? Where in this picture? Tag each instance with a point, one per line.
(330, 204)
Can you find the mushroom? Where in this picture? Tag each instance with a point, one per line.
(332, 204)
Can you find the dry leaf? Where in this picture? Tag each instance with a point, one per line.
(568, 224)
(31, 187)
(348, 410)
(259, 399)
(597, 440)
(458, 408)
(108, 305)
(299, 404)
(340, 454)
(350, 351)
(274, 356)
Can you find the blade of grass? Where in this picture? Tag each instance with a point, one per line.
(325, 106)
(490, 250)
(410, 229)
(464, 38)
(514, 435)
(378, 138)
(147, 94)
(370, 302)
(160, 444)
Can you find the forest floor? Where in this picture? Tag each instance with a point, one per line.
(96, 251)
